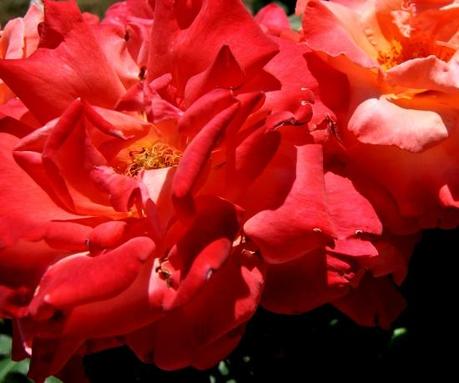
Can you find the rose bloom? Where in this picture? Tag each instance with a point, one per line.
(400, 131)
(319, 248)
(177, 175)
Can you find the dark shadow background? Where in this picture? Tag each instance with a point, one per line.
(323, 344)
(326, 344)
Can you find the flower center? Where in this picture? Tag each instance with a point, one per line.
(157, 156)
(417, 46)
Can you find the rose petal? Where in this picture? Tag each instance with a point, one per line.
(80, 279)
(273, 18)
(381, 122)
(79, 67)
(186, 335)
(301, 222)
(349, 219)
(213, 24)
(374, 303)
(336, 32)
(426, 73)
(197, 153)
(300, 285)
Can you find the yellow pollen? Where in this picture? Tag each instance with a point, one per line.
(417, 46)
(157, 156)
(391, 57)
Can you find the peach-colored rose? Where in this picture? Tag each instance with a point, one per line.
(400, 133)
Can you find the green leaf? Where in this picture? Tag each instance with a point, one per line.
(53, 379)
(8, 366)
(5, 365)
(295, 22)
(333, 322)
(22, 367)
(223, 368)
(397, 334)
(5, 345)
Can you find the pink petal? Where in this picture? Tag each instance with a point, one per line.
(426, 73)
(381, 122)
(324, 31)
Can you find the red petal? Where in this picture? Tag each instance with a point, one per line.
(214, 24)
(205, 265)
(349, 219)
(375, 302)
(300, 285)
(225, 72)
(273, 18)
(186, 335)
(81, 279)
(300, 223)
(197, 153)
(107, 235)
(69, 64)
(50, 356)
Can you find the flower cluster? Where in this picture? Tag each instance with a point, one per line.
(170, 168)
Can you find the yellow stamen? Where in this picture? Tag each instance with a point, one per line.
(417, 46)
(157, 156)
(391, 57)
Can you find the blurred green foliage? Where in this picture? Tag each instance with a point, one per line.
(15, 8)
(95, 6)
(12, 8)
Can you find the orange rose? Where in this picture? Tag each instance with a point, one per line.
(400, 132)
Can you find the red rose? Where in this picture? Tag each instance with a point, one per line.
(120, 227)
(164, 185)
